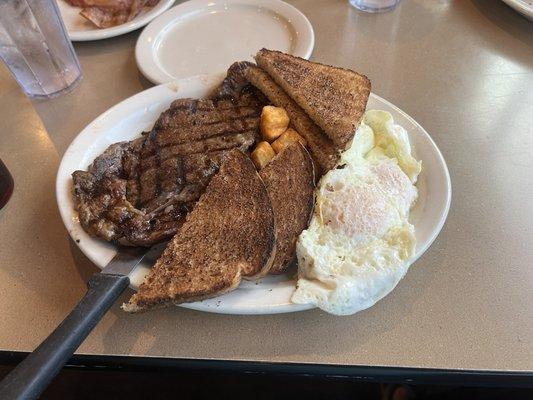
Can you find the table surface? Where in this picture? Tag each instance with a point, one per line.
(462, 69)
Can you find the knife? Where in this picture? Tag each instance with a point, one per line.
(36, 371)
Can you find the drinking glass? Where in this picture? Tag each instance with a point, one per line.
(6, 185)
(374, 6)
(35, 47)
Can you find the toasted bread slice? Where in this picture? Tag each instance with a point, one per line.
(334, 98)
(289, 179)
(320, 146)
(228, 235)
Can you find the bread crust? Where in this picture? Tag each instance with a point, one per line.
(334, 98)
(289, 179)
(320, 146)
(229, 235)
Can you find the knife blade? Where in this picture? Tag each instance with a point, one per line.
(125, 261)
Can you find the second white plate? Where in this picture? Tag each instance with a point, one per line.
(205, 36)
(270, 295)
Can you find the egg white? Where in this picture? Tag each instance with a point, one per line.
(359, 242)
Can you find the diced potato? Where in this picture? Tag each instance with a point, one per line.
(288, 137)
(274, 121)
(262, 154)
(293, 135)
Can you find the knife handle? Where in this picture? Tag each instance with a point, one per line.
(36, 371)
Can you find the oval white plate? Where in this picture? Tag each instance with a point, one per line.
(269, 295)
(524, 7)
(80, 29)
(206, 37)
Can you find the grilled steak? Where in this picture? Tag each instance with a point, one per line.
(137, 193)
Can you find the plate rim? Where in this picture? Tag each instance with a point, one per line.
(519, 6)
(146, 40)
(135, 23)
(67, 214)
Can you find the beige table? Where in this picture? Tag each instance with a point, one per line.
(463, 69)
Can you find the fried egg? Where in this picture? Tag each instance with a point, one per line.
(359, 242)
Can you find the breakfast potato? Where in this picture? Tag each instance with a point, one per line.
(274, 121)
(262, 154)
(288, 137)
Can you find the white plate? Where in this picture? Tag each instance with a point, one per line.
(206, 37)
(80, 29)
(270, 295)
(524, 7)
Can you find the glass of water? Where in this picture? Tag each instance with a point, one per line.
(374, 6)
(35, 47)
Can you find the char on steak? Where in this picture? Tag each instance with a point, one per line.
(137, 193)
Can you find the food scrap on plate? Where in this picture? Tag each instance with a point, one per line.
(109, 13)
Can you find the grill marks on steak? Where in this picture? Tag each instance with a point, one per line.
(138, 192)
(189, 141)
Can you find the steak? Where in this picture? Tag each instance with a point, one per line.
(137, 193)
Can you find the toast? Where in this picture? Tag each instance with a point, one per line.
(289, 179)
(229, 234)
(320, 146)
(334, 98)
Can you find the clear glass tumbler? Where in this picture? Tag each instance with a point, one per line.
(35, 47)
(374, 6)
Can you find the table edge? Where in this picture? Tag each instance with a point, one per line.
(366, 373)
